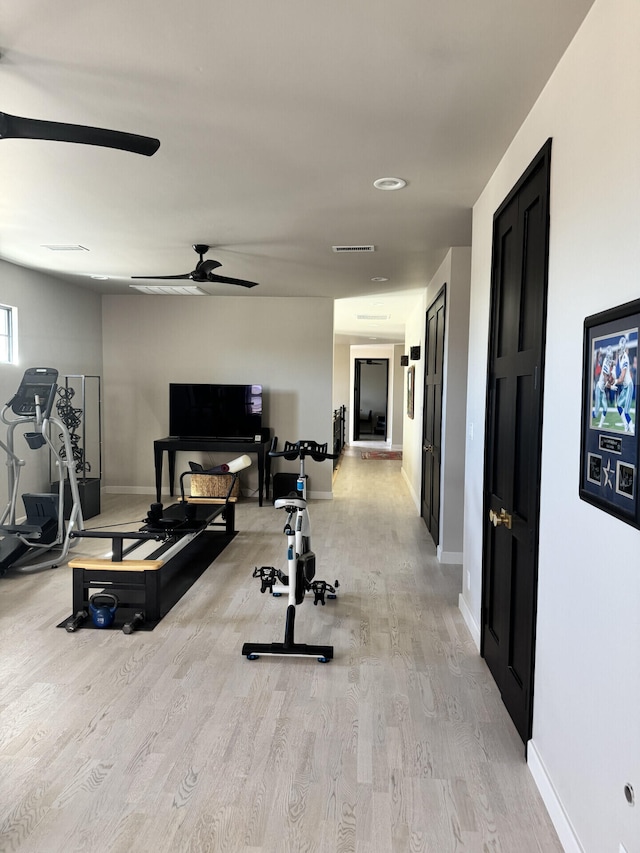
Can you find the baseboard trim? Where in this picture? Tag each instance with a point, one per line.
(450, 558)
(552, 802)
(472, 625)
(131, 490)
(414, 497)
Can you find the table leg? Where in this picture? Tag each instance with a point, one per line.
(172, 470)
(260, 474)
(157, 457)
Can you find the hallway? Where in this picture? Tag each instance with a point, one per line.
(171, 741)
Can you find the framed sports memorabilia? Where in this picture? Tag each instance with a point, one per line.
(411, 375)
(609, 437)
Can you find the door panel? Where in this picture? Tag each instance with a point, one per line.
(513, 438)
(432, 416)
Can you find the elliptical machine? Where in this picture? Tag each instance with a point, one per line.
(301, 561)
(44, 527)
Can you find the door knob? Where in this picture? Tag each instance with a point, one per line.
(502, 518)
(428, 448)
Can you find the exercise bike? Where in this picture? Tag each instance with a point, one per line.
(301, 561)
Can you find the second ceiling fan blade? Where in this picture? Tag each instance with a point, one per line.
(172, 277)
(222, 279)
(15, 127)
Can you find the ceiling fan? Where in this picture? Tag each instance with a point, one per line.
(15, 127)
(204, 271)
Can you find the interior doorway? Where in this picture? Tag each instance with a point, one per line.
(371, 392)
(432, 419)
(514, 438)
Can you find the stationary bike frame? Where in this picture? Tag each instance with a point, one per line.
(297, 529)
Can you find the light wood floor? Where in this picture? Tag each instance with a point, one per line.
(172, 741)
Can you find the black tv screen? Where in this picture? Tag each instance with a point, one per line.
(222, 412)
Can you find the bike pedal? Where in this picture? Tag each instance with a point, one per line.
(268, 577)
(320, 589)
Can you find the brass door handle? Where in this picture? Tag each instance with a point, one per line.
(502, 518)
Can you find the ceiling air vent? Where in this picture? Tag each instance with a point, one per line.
(341, 249)
(169, 289)
(373, 316)
(66, 248)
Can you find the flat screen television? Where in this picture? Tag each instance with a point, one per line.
(221, 412)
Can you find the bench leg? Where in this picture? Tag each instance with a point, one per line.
(79, 602)
(230, 517)
(152, 596)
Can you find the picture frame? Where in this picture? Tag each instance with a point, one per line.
(609, 448)
(411, 375)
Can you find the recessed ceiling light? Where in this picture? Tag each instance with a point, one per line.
(389, 184)
(379, 278)
(100, 277)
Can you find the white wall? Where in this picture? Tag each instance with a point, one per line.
(59, 326)
(342, 395)
(586, 731)
(454, 273)
(286, 345)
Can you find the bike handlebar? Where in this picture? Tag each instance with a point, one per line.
(301, 449)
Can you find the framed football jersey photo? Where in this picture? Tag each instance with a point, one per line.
(609, 435)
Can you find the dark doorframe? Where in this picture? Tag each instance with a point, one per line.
(513, 438)
(370, 399)
(432, 415)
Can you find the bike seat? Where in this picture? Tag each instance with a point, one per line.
(295, 502)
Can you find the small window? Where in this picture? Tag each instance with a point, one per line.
(8, 353)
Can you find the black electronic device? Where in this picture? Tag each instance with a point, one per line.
(220, 412)
(37, 382)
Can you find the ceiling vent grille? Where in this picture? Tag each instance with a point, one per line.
(373, 316)
(169, 289)
(342, 249)
(66, 248)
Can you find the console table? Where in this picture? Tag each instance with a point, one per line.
(172, 444)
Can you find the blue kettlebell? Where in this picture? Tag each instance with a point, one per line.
(102, 607)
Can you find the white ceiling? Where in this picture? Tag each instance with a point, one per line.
(274, 120)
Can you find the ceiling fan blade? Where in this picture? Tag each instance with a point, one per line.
(222, 279)
(187, 275)
(205, 267)
(15, 127)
